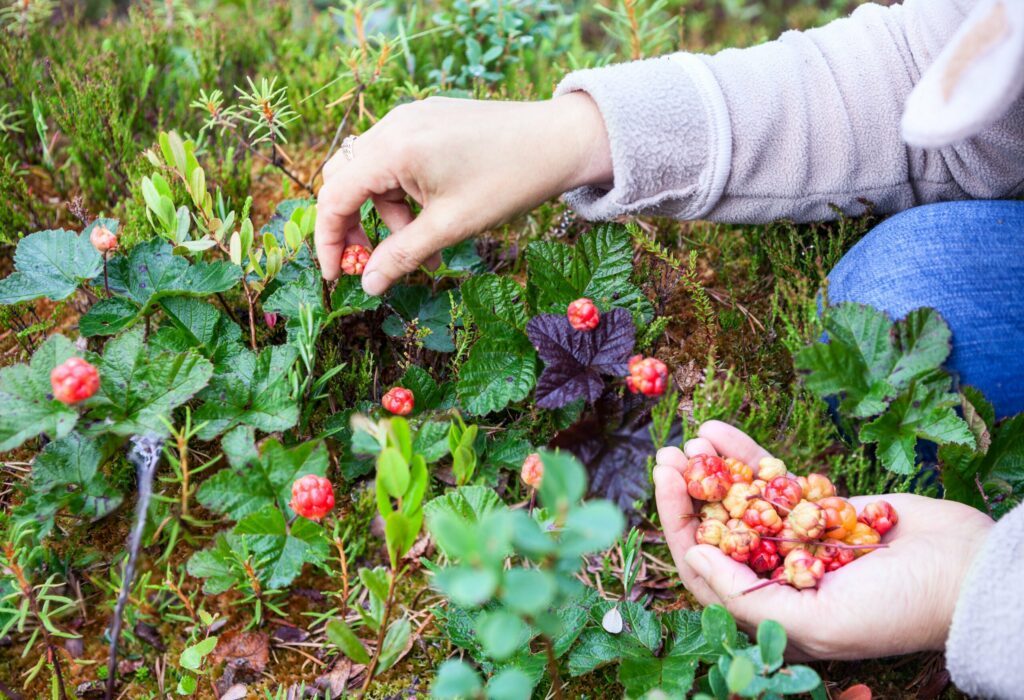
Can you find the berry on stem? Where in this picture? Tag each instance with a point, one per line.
(398, 400)
(103, 239)
(707, 478)
(353, 259)
(647, 376)
(738, 498)
(532, 471)
(74, 380)
(863, 534)
(880, 516)
(583, 315)
(312, 497)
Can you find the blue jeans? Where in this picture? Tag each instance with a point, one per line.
(965, 259)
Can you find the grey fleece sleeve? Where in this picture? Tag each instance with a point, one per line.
(983, 650)
(793, 127)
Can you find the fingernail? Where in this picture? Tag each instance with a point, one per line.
(374, 283)
(698, 562)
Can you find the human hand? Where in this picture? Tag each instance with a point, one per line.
(470, 164)
(895, 600)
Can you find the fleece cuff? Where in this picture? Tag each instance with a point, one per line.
(671, 141)
(983, 646)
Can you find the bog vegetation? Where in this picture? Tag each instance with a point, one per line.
(223, 476)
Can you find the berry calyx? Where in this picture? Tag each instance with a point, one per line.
(807, 520)
(647, 376)
(711, 532)
(803, 569)
(74, 380)
(398, 400)
(353, 259)
(840, 517)
(583, 315)
(762, 517)
(103, 239)
(739, 472)
(770, 467)
(739, 542)
(783, 492)
(532, 471)
(312, 497)
(816, 486)
(707, 478)
(765, 557)
(880, 516)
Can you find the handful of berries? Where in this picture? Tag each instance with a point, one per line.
(790, 529)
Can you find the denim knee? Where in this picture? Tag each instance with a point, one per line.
(965, 259)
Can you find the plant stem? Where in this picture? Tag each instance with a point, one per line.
(183, 463)
(388, 605)
(343, 558)
(556, 681)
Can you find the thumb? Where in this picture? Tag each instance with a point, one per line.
(730, 580)
(404, 251)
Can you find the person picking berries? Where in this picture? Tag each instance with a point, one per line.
(918, 593)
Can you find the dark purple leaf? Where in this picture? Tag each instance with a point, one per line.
(574, 360)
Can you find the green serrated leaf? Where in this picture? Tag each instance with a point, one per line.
(495, 303)
(499, 371)
(281, 550)
(27, 407)
(51, 264)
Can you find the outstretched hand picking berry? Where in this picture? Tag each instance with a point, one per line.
(798, 518)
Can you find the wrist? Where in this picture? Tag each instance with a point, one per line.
(581, 133)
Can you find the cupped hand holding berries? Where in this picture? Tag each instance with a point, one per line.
(898, 600)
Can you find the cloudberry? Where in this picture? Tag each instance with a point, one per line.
(807, 520)
(739, 543)
(312, 497)
(532, 471)
(270, 318)
(103, 239)
(353, 259)
(803, 569)
(833, 554)
(762, 517)
(783, 492)
(739, 497)
(399, 401)
(739, 471)
(816, 486)
(583, 315)
(788, 541)
(765, 557)
(714, 511)
(711, 532)
(647, 376)
(770, 467)
(862, 534)
(840, 517)
(707, 478)
(74, 380)
(879, 515)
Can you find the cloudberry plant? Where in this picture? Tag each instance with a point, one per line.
(532, 471)
(398, 400)
(312, 497)
(353, 259)
(74, 380)
(707, 478)
(647, 376)
(880, 516)
(103, 239)
(583, 315)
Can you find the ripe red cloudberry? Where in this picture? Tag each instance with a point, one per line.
(807, 520)
(583, 315)
(532, 471)
(739, 542)
(353, 259)
(739, 472)
(840, 517)
(803, 569)
(103, 239)
(879, 515)
(707, 478)
(647, 376)
(762, 517)
(312, 497)
(834, 554)
(399, 401)
(74, 380)
(765, 557)
(783, 492)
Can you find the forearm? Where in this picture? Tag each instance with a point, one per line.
(792, 128)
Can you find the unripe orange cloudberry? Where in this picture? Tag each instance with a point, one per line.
(532, 471)
(739, 471)
(103, 239)
(862, 534)
(840, 517)
(74, 380)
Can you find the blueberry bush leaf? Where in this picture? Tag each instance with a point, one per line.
(51, 264)
(27, 406)
(574, 361)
